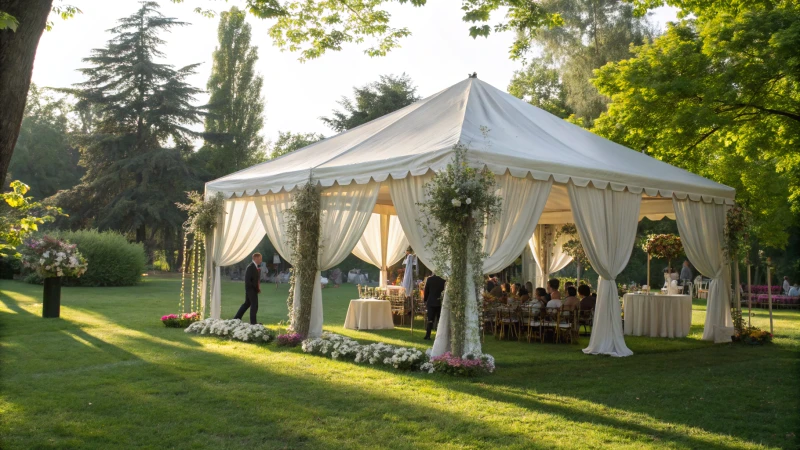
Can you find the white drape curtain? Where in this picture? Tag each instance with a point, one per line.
(383, 243)
(529, 267)
(606, 221)
(548, 252)
(346, 210)
(406, 193)
(523, 200)
(271, 210)
(702, 227)
(237, 233)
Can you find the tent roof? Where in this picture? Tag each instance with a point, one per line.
(501, 132)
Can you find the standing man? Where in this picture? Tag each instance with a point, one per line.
(434, 288)
(686, 275)
(252, 287)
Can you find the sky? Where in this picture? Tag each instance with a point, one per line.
(438, 54)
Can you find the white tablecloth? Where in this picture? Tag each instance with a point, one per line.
(369, 314)
(657, 315)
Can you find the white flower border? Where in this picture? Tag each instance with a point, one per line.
(232, 329)
(401, 358)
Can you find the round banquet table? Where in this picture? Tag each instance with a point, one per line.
(369, 314)
(657, 315)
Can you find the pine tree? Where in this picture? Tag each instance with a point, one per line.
(374, 100)
(135, 150)
(236, 108)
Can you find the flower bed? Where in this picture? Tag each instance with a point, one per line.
(233, 329)
(753, 336)
(762, 289)
(778, 299)
(180, 321)
(401, 358)
(290, 340)
(469, 365)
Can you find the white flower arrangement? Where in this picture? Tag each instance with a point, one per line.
(341, 347)
(232, 329)
(51, 257)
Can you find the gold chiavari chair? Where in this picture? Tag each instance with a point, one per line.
(398, 302)
(550, 318)
(531, 321)
(508, 321)
(566, 320)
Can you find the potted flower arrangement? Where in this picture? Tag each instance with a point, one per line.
(662, 246)
(180, 320)
(53, 259)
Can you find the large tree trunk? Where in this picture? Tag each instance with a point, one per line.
(17, 52)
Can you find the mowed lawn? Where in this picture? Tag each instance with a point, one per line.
(109, 375)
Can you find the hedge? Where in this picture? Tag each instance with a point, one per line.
(113, 261)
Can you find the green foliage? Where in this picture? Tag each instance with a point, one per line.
(113, 261)
(663, 246)
(717, 95)
(203, 214)
(737, 232)
(136, 145)
(20, 216)
(236, 108)
(44, 156)
(373, 100)
(302, 235)
(573, 246)
(589, 35)
(288, 142)
(461, 201)
(8, 22)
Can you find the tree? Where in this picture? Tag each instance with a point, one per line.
(373, 100)
(135, 151)
(591, 34)
(288, 142)
(718, 95)
(235, 108)
(20, 216)
(44, 157)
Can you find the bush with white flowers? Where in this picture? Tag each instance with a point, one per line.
(233, 329)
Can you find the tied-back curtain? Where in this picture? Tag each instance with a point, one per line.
(548, 253)
(237, 233)
(702, 227)
(606, 221)
(406, 193)
(523, 200)
(345, 211)
(271, 210)
(383, 243)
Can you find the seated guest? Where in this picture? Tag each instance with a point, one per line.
(540, 295)
(588, 300)
(523, 295)
(555, 303)
(552, 289)
(529, 287)
(497, 291)
(514, 290)
(571, 302)
(795, 291)
(568, 284)
(490, 284)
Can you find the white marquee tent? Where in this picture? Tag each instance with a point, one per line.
(548, 172)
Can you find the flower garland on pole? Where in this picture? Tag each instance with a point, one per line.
(461, 201)
(735, 246)
(303, 234)
(202, 219)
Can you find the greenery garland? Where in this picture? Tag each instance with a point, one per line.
(461, 201)
(202, 218)
(737, 232)
(303, 233)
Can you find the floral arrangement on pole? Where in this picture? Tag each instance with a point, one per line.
(663, 246)
(202, 218)
(303, 234)
(461, 201)
(50, 257)
(737, 232)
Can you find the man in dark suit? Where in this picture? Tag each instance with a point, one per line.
(252, 287)
(434, 290)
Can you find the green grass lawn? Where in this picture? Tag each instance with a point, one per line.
(108, 375)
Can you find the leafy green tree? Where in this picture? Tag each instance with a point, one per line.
(20, 216)
(288, 142)
(236, 109)
(591, 33)
(44, 157)
(373, 100)
(718, 94)
(135, 152)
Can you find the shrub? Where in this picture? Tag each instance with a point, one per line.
(113, 261)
